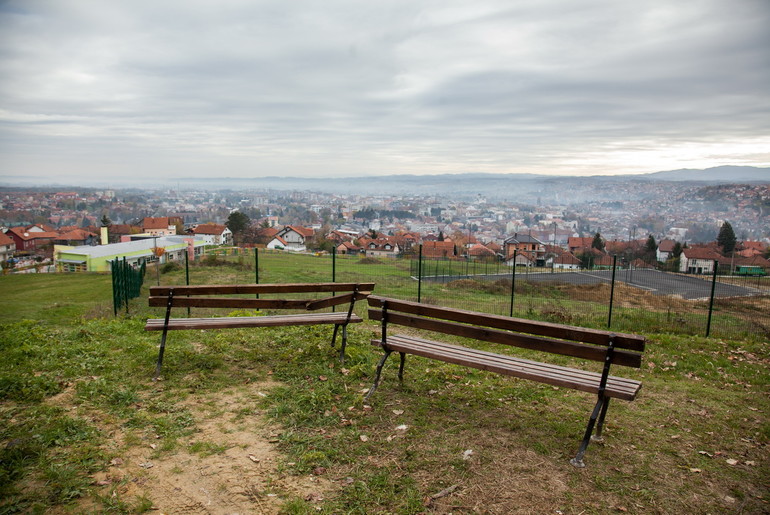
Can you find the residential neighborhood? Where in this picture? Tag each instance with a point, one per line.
(675, 233)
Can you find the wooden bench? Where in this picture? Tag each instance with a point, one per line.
(586, 344)
(222, 296)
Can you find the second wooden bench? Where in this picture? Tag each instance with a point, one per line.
(225, 296)
(548, 338)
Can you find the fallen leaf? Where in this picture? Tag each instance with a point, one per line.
(696, 471)
(467, 454)
(153, 446)
(253, 458)
(116, 461)
(731, 461)
(750, 463)
(322, 378)
(402, 427)
(146, 465)
(706, 454)
(364, 438)
(344, 371)
(398, 412)
(319, 470)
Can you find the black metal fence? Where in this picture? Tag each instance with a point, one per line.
(127, 282)
(620, 298)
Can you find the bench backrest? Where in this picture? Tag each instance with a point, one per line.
(215, 296)
(567, 340)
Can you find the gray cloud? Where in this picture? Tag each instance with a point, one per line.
(244, 88)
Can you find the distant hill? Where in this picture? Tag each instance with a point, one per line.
(716, 174)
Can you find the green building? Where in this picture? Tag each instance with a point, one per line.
(97, 258)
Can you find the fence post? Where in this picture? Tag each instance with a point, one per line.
(334, 271)
(126, 279)
(612, 290)
(256, 267)
(711, 300)
(419, 274)
(187, 273)
(114, 288)
(513, 281)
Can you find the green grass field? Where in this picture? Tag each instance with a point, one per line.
(269, 421)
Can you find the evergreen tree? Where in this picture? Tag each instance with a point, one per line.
(726, 238)
(651, 246)
(677, 250)
(106, 222)
(598, 242)
(237, 222)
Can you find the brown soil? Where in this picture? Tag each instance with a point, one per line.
(237, 469)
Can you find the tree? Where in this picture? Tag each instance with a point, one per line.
(106, 222)
(726, 238)
(650, 247)
(598, 242)
(677, 250)
(237, 222)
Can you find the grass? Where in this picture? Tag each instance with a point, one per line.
(76, 396)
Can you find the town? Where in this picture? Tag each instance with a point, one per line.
(644, 224)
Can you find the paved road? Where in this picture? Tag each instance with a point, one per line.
(658, 283)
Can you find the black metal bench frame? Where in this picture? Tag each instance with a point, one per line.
(589, 344)
(201, 297)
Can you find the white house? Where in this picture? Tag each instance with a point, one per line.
(698, 260)
(213, 234)
(292, 237)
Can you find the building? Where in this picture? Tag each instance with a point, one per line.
(160, 226)
(698, 260)
(213, 234)
(526, 244)
(7, 247)
(87, 258)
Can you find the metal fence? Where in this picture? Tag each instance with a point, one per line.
(615, 297)
(127, 282)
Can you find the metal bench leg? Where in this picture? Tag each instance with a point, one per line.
(577, 461)
(344, 341)
(597, 437)
(169, 303)
(160, 354)
(401, 366)
(377, 375)
(334, 336)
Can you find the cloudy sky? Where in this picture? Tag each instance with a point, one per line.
(105, 89)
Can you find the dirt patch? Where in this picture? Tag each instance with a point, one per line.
(229, 465)
(518, 481)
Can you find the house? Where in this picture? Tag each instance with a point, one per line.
(576, 243)
(566, 260)
(292, 237)
(525, 244)
(7, 247)
(213, 234)
(347, 247)
(116, 232)
(698, 260)
(89, 258)
(32, 239)
(160, 226)
(383, 246)
(665, 250)
(481, 253)
(438, 249)
(520, 259)
(77, 237)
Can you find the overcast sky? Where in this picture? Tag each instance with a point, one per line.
(247, 88)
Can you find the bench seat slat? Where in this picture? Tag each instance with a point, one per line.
(157, 324)
(586, 381)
